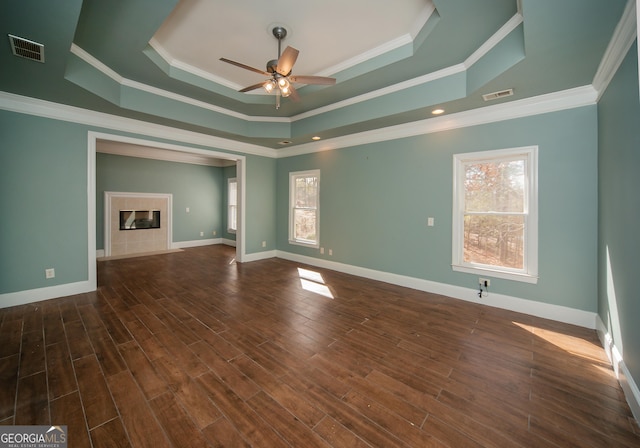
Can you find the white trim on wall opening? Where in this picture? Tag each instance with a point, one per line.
(94, 137)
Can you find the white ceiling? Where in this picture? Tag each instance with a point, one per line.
(199, 32)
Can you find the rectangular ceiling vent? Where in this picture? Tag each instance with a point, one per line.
(496, 95)
(27, 49)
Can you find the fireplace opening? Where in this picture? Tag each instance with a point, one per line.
(139, 219)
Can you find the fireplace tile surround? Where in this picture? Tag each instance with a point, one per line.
(125, 242)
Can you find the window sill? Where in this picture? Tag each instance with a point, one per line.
(516, 277)
(302, 243)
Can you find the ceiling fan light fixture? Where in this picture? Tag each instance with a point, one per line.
(283, 83)
(279, 70)
(269, 86)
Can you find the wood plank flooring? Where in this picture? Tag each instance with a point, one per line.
(190, 349)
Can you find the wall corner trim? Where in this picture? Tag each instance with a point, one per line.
(628, 384)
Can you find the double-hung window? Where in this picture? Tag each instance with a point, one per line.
(304, 208)
(495, 214)
(232, 205)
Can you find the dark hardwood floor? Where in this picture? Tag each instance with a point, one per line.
(190, 349)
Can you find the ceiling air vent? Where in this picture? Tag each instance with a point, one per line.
(25, 48)
(496, 95)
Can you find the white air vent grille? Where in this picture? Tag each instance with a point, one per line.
(496, 95)
(27, 49)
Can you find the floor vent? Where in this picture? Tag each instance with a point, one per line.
(496, 95)
(27, 49)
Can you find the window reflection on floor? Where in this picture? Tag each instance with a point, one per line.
(313, 282)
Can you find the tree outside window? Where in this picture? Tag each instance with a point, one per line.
(495, 213)
(304, 190)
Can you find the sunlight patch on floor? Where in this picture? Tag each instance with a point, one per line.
(312, 281)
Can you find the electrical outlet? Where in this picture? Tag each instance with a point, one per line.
(215, 233)
(187, 209)
(330, 252)
(484, 282)
(49, 273)
(201, 233)
(430, 222)
(322, 251)
(264, 244)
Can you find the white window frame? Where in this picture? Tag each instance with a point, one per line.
(529, 272)
(232, 209)
(292, 206)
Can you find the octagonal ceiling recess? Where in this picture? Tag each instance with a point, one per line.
(197, 33)
(394, 63)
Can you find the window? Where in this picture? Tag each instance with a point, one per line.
(232, 205)
(495, 213)
(304, 209)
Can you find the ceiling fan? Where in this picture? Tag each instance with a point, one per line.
(279, 72)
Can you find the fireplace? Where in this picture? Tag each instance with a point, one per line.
(139, 219)
(137, 223)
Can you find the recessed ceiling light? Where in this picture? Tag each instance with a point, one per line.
(285, 142)
(437, 111)
(315, 137)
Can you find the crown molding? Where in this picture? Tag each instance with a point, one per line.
(623, 37)
(429, 77)
(480, 52)
(553, 102)
(180, 65)
(494, 40)
(55, 111)
(98, 65)
(567, 99)
(498, 36)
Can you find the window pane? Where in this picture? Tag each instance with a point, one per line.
(497, 186)
(304, 225)
(233, 220)
(306, 192)
(232, 202)
(494, 240)
(233, 193)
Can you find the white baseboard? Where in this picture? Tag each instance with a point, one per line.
(228, 242)
(186, 244)
(629, 386)
(545, 310)
(261, 255)
(195, 243)
(50, 292)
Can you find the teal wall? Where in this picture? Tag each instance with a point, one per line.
(375, 200)
(260, 219)
(619, 211)
(195, 186)
(43, 185)
(43, 202)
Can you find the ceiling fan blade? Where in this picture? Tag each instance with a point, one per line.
(320, 80)
(286, 61)
(246, 67)
(294, 94)
(253, 87)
